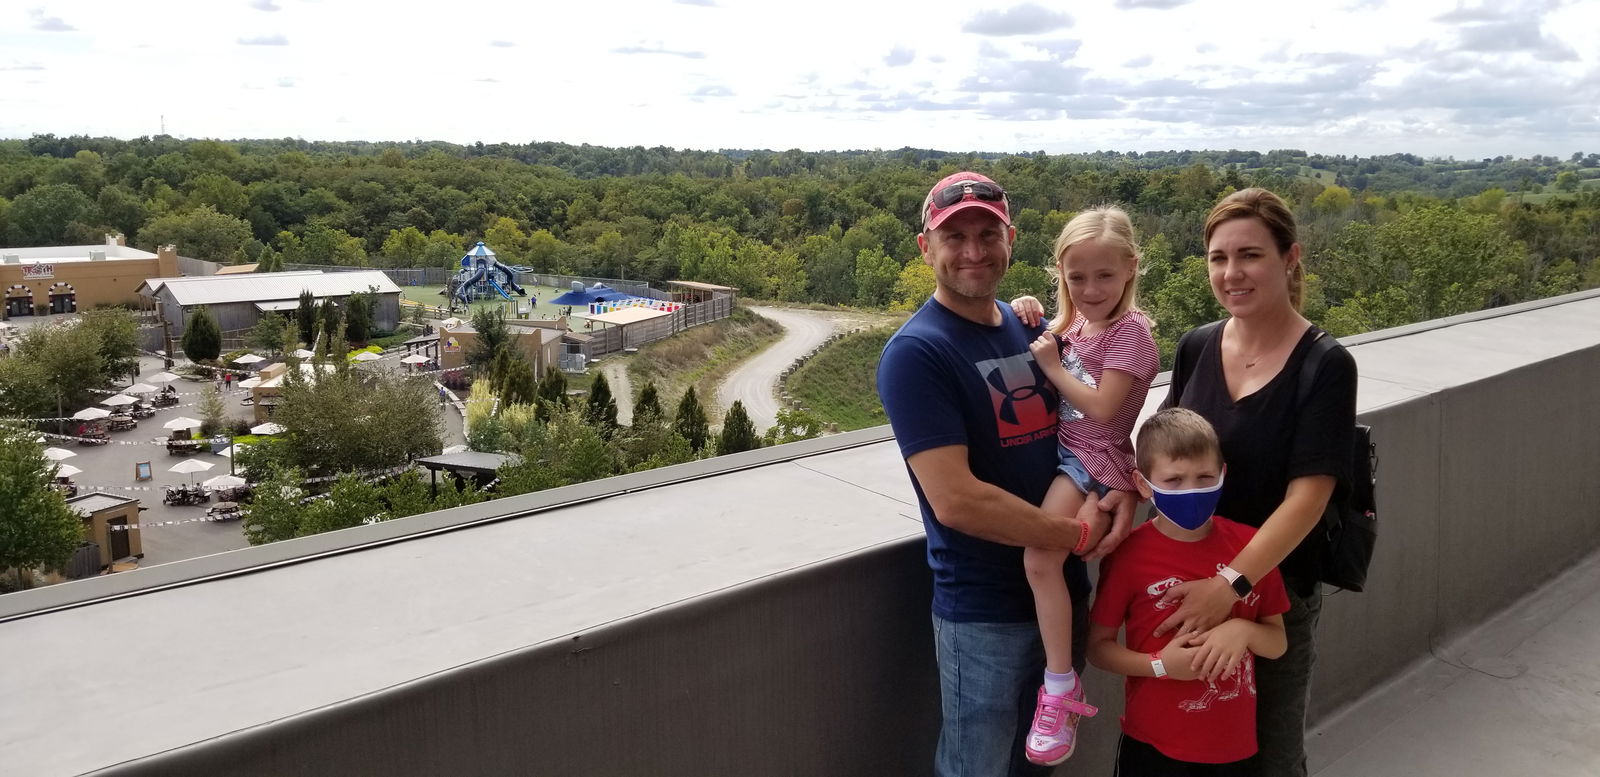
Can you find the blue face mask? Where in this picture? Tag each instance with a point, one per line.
(1191, 508)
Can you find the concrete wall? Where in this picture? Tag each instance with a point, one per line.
(825, 667)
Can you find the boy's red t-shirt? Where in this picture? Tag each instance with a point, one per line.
(1187, 720)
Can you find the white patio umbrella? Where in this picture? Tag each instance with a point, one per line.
(268, 428)
(223, 481)
(58, 454)
(163, 377)
(415, 358)
(189, 467)
(141, 388)
(249, 358)
(367, 356)
(67, 471)
(228, 452)
(91, 414)
(249, 383)
(301, 353)
(118, 400)
(181, 422)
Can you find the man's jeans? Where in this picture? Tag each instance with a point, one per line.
(989, 675)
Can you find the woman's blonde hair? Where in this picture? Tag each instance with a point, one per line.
(1108, 224)
(1274, 214)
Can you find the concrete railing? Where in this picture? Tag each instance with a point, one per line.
(768, 616)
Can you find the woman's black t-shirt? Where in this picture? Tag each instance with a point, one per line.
(1268, 439)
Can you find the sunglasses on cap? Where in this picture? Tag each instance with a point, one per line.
(961, 190)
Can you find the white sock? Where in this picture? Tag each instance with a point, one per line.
(1060, 684)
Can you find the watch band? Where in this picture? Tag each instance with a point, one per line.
(1236, 580)
(1158, 665)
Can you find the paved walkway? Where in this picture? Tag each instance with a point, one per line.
(1518, 695)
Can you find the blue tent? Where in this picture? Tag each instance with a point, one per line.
(596, 293)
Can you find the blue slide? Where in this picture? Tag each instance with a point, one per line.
(497, 288)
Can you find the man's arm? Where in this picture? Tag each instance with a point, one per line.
(963, 502)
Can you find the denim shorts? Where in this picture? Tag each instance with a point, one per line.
(1072, 468)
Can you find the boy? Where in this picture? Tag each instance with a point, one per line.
(1190, 701)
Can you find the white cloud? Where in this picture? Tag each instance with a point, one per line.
(44, 23)
(1025, 19)
(265, 40)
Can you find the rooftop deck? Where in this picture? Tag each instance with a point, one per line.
(766, 613)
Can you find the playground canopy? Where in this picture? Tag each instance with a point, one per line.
(596, 293)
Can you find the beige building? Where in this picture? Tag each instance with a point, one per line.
(66, 279)
(112, 522)
(539, 342)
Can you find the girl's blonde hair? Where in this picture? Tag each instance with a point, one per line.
(1108, 224)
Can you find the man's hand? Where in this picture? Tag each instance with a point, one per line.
(1028, 309)
(1220, 650)
(1202, 605)
(1120, 504)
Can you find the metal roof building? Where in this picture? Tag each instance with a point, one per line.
(238, 301)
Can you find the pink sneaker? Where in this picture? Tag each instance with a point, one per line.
(1054, 733)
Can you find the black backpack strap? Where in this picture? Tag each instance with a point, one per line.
(1308, 368)
(1189, 347)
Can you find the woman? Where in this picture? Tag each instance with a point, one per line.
(1284, 456)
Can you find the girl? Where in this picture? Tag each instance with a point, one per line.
(1101, 358)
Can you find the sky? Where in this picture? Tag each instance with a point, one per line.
(1437, 78)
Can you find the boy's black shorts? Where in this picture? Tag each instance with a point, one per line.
(1137, 759)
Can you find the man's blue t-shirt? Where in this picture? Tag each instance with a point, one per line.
(945, 380)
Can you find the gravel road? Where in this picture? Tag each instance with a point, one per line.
(755, 383)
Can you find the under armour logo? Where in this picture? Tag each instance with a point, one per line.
(1009, 396)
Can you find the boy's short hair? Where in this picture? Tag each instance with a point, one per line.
(1176, 433)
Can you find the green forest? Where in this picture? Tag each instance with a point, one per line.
(1388, 239)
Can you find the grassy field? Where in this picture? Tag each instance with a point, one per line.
(429, 295)
(839, 385)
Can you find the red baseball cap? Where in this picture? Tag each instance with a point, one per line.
(959, 191)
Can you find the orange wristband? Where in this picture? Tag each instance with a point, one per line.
(1083, 538)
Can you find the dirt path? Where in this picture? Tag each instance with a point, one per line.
(616, 372)
(755, 383)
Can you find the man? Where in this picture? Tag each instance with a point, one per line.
(976, 421)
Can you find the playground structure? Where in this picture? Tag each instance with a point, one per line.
(482, 276)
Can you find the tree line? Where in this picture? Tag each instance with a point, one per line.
(1389, 239)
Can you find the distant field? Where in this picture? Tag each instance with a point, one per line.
(1550, 193)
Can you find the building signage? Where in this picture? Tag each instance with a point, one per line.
(452, 345)
(38, 271)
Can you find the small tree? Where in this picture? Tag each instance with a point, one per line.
(690, 421)
(202, 338)
(328, 318)
(274, 511)
(648, 405)
(213, 414)
(792, 425)
(36, 526)
(601, 409)
(493, 336)
(552, 393)
(358, 317)
(738, 431)
(267, 335)
(305, 317)
(518, 385)
(118, 336)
